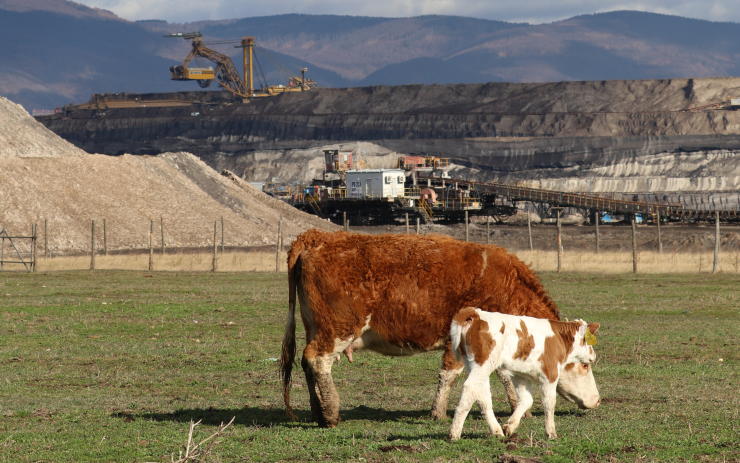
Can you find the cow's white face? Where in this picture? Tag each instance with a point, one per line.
(576, 382)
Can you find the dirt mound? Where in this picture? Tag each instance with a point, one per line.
(45, 178)
(22, 136)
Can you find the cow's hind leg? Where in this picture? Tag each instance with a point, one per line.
(313, 391)
(323, 392)
(451, 369)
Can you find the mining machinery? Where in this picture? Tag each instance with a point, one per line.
(225, 72)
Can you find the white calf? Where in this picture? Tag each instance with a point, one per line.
(529, 351)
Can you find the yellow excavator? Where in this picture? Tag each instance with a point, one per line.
(225, 72)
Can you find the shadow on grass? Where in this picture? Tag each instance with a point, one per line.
(251, 416)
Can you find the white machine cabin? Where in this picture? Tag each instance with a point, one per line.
(375, 183)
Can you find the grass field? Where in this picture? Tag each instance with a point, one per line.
(112, 366)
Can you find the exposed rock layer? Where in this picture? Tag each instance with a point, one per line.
(626, 136)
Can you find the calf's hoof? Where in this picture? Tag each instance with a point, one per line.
(508, 430)
(552, 435)
(498, 433)
(454, 437)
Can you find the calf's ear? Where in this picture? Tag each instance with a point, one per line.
(593, 327)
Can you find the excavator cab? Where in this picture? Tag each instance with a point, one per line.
(204, 76)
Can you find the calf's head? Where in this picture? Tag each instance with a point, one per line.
(576, 382)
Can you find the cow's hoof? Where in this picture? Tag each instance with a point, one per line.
(439, 416)
(330, 423)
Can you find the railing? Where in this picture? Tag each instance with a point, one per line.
(313, 202)
(559, 198)
(426, 210)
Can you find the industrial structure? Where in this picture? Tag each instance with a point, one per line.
(225, 72)
(421, 187)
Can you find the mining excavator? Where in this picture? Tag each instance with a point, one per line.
(225, 72)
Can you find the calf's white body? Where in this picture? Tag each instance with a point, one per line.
(531, 352)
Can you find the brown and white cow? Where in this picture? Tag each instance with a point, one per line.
(530, 351)
(394, 294)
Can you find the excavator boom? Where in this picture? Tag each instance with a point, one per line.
(225, 72)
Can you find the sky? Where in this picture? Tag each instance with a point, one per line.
(531, 11)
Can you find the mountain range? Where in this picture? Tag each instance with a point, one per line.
(57, 52)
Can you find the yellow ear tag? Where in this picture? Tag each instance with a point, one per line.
(590, 338)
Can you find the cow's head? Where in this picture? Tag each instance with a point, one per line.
(577, 382)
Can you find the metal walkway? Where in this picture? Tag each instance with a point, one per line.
(584, 200)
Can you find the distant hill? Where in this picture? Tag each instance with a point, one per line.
(56, 52)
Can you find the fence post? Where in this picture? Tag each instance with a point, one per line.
(46, 239)
(660, 239)
(2, 250)
(559, 242)
(715, 262)
(408, 228)
(634, 245)
(223, 245)
(529, 232)
(214, 264)
(344, 221)
(151, 245)
(161, 233)
(277, 245)
(33, 248)
(92, 245)
(418, 228)
(105, 238)
(488, 229)
(467, 226)
(597, 219)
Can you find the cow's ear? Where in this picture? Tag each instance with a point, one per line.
(593, 327)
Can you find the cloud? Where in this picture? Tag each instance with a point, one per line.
(535, 11)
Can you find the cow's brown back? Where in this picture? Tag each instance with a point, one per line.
(410, 286)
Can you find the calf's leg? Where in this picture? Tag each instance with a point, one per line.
(524, 392)
(451, 369)
(486, 405)
(477, 388)
(549, 396)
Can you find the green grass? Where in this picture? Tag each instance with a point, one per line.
(112, 366)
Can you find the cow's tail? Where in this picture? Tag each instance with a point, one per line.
(287, 355)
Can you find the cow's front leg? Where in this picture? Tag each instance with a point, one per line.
(511, 396)
(451, 369)
(549, 396)
(324, 397)
(523, 390)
